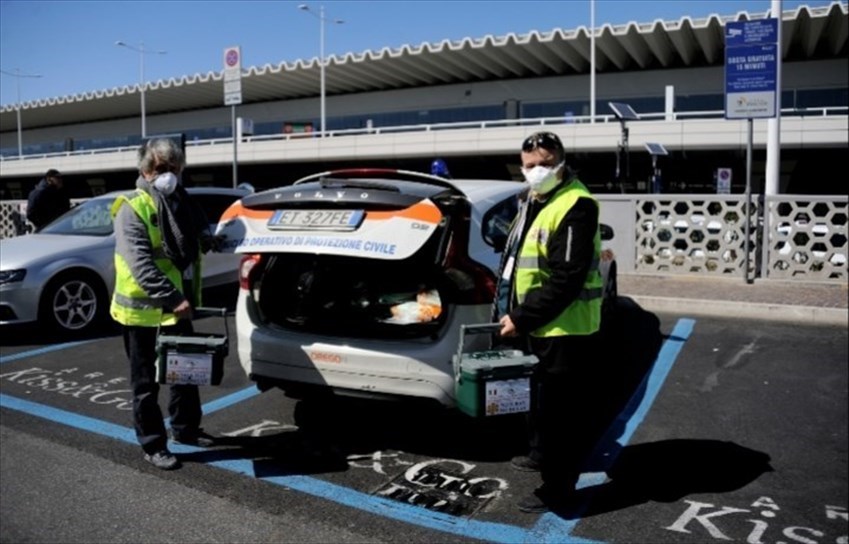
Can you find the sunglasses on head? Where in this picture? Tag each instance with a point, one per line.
(545, 140)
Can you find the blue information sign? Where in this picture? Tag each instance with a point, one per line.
(751, 68)
(751, 32)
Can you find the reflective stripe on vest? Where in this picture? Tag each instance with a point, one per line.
(583, 315)
(130, 303)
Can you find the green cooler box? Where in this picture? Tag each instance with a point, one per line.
(196, 358)
(491, 382)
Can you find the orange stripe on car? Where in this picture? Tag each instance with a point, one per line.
(423, 211)
(237, 210)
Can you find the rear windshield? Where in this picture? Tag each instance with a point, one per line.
(91, 218)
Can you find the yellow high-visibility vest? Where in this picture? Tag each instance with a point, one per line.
(583, 315)
(131, 305)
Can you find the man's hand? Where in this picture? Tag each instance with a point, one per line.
(183, 310)
(212, 243)
(508, 329)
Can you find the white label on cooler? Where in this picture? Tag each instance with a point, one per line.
(188, 368)
(507, 396)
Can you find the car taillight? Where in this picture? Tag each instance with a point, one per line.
(246, 266)
(484, 292)
(475, 281)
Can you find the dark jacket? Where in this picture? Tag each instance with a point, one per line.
(45, 203)
(569, 263)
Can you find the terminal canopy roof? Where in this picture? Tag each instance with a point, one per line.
(807, 34)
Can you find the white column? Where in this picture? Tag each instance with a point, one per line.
(773, 138)
(670, 103)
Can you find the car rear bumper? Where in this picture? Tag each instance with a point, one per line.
(358, 384)
(419, 368)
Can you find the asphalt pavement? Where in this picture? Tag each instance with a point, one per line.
(774, 300)
(714, 443)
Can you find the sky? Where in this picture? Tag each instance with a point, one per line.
(71, 44)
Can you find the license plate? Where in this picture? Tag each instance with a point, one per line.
(343, 220)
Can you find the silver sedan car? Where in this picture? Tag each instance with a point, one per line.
(63, 275)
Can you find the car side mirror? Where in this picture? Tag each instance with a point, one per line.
(497, 240)
(606, 232)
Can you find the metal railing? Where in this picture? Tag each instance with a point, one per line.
(481, 125)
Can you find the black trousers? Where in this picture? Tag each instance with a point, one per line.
(184, 403)
(566, 394)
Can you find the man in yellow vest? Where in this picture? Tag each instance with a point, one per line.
(158, 232)
(554, 301)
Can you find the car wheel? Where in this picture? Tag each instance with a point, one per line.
(73, 302)
(315, 411)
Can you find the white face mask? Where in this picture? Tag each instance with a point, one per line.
(165, 183)
(542, 179)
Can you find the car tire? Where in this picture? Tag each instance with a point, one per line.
(315, 411)
(74, 302)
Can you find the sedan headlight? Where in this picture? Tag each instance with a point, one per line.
(9, 276)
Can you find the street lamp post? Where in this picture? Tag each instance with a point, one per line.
(141, 51)
(321, 19)
(18, 75)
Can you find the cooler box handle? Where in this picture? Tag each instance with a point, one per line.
(480, 328)
(202, 311)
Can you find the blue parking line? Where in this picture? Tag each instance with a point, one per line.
(549, 527)
(495, 532)
(229, 400)
(70, 419)
(41, 351)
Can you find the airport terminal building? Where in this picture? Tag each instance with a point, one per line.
(470, 102)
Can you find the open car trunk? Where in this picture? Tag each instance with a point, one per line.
(375, 298)
(354, 297)
(397, 269)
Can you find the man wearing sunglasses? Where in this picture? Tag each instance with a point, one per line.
(551, 264)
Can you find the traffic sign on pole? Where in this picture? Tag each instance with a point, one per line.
(232, 76)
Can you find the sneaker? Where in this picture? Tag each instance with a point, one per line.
(523, 463)
(162, 459)
(196, 438)
(542, 500)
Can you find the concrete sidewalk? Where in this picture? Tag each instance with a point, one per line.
(792, 301)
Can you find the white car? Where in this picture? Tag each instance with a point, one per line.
(63, 275)
(357, 281)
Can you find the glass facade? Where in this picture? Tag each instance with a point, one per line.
(797, 99)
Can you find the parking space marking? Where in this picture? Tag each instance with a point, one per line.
(41, 351)
(548, 528)
(494, 532)
(70, 419)
(230, 400)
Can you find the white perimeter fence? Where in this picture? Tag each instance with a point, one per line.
(788, 237)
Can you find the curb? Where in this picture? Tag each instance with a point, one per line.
(811, 315)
